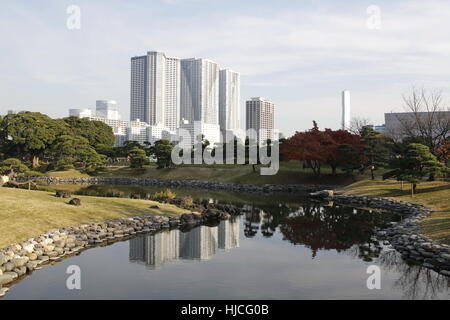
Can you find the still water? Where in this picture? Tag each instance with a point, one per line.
(282, 247)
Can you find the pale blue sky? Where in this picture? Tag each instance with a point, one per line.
(299, 54)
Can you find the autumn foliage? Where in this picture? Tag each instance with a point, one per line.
(328, 147)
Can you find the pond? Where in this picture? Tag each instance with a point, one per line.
(281, 247)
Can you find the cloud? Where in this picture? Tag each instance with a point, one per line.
(296, 56)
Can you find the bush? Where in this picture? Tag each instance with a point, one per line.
(187, 202)
(164, 195)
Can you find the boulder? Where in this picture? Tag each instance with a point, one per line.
(63, 194)
(5, 279)
(75, 202)
(322, 194)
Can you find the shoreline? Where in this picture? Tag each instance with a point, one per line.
(404, 236)
(188, 184)
(21, 259)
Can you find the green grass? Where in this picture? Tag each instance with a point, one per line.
(435, 195)
(25, 214)
(289, 172)
(71, 173)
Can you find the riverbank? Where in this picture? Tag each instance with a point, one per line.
(25, 214)
(434, 195)
(289, 173)
(188, 184)
(22, 258)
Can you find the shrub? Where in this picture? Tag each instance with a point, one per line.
(164, 195)
(187, 202)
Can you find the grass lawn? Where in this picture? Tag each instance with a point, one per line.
(435, 194)
(25, 214)
(71, 173)
(289, 172)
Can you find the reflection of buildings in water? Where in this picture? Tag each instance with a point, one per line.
(156, 249)
(229, 233)
(200, 243)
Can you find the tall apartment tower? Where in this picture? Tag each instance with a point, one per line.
(260, 117)
(229, 100)
(345, 122)
(155, 89)
(200, 91)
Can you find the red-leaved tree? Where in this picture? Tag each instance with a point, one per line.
(318, 148)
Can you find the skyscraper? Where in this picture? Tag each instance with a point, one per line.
(107, 109)
(345, 123)
(155, 87)
(200, 91)
(229, 100)
(260, 117)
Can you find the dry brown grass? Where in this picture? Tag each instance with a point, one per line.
(24, 214)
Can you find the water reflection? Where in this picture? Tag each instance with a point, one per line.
(200, 243)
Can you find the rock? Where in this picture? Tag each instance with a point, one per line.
(62, 194)
(3, 259)
(322, 194)
(9, 266)
(75, 202)
(3, 291)
(5, 279)
(20, 271)
(32, 256)
(445, 273)
(19, 262)
(29, 248)
(31, 265)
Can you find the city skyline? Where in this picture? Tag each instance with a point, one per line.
(301, 57)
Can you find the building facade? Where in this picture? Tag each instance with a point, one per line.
(155, 89)
(345, 121)
(80, 113)
(200, 91)
(229, 101)
(107, 109)
(398, 124)
(260, 118)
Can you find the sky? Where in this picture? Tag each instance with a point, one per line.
(299, 54)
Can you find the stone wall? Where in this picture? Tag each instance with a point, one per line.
(405, 236)
(189, 184)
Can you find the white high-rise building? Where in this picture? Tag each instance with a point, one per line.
(345, 123)
(200, 91)
(229, 100)
(260, 117)
(107, 109)
(155, 89)
(80, 113)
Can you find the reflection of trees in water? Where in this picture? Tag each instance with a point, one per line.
(416, 281)
(333, 227)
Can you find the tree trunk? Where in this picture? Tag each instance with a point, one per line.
(35, 162)
(333, 170)
(372, 173)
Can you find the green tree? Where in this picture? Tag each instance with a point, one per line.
(163, 153)
(99, 134)
(138, 158)
(13, 166)
(415, 164)
(75, 151)
(375, 150)
(30, 134)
